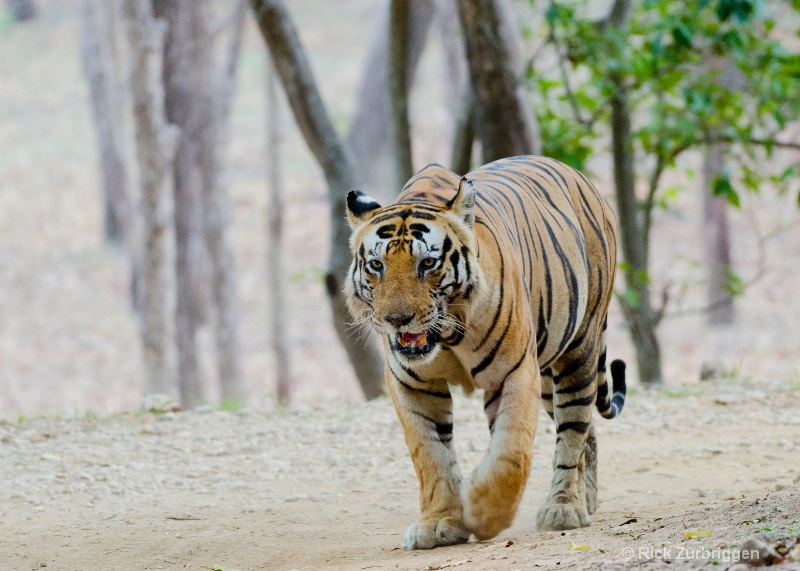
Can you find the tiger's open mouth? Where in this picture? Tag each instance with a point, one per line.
(415, 344)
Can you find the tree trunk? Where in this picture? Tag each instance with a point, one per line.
(100, 66)
(641, 316)
(311, 116)
(463, 134)
(156, 142)
(369, 141)
(456, 73)
(721, 310)
(189, 105)
(217, 219)
(22, 10)
(275, 266)
(398, 90)
(459, 90)
(716, 230)
(505, 123)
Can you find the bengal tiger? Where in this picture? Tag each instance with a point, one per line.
(499, 280)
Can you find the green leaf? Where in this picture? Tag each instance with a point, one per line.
(739, 10)
(682, 35)
(724, 188)
(631, 298)
(734, 284)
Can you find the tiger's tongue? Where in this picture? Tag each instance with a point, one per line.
(413, 339)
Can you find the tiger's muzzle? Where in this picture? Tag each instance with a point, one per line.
(415, 345)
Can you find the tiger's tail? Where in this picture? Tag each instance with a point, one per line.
(609, 406)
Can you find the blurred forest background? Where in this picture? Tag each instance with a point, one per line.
(166, 227)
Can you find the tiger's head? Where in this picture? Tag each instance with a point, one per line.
(414, 270)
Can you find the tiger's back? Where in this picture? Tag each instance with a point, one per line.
(545, 222)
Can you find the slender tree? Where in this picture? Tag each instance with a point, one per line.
(717, 240)
(217, 214)
(100, 64)
(156, 143)
(190, 106)
(459, 89)
(275, 211)
(643, 318)
(398, 90)
(463, 134)
(369, 141)
(22, 10)
(311, 116)
(716, 228)
(505, 123)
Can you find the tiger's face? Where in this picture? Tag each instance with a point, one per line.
(413, 271)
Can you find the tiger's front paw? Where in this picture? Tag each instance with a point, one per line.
(430, 533)
(558, 517)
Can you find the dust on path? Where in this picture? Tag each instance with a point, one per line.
(334, 488)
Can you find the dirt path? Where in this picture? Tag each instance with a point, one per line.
(334, 488)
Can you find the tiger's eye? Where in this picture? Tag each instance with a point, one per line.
(376, 265)
(428, 263)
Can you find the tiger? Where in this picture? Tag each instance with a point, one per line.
(498, 280)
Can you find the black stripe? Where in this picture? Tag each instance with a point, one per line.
(601, 364)
(454, 261)
(487, 360)
(444, 428)
(502, 288)
(570, 369)
(416, 212)
(574, 388)
(495, 396)
(585, 401)
(575, 426)
(423, 391)
(411, 373)
(414, 389)
(446, 245)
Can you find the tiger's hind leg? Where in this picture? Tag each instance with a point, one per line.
(590, 448)
(573, 490)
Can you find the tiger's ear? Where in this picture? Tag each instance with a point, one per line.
(359, 205)
(463, 203)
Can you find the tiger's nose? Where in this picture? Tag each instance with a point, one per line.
(399, 319)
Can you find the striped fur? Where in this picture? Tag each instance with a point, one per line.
(499, 281)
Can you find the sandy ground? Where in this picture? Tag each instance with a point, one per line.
(333, 488)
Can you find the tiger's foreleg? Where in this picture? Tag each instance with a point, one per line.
(495, 488)
(425, 412)
(573, 490)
